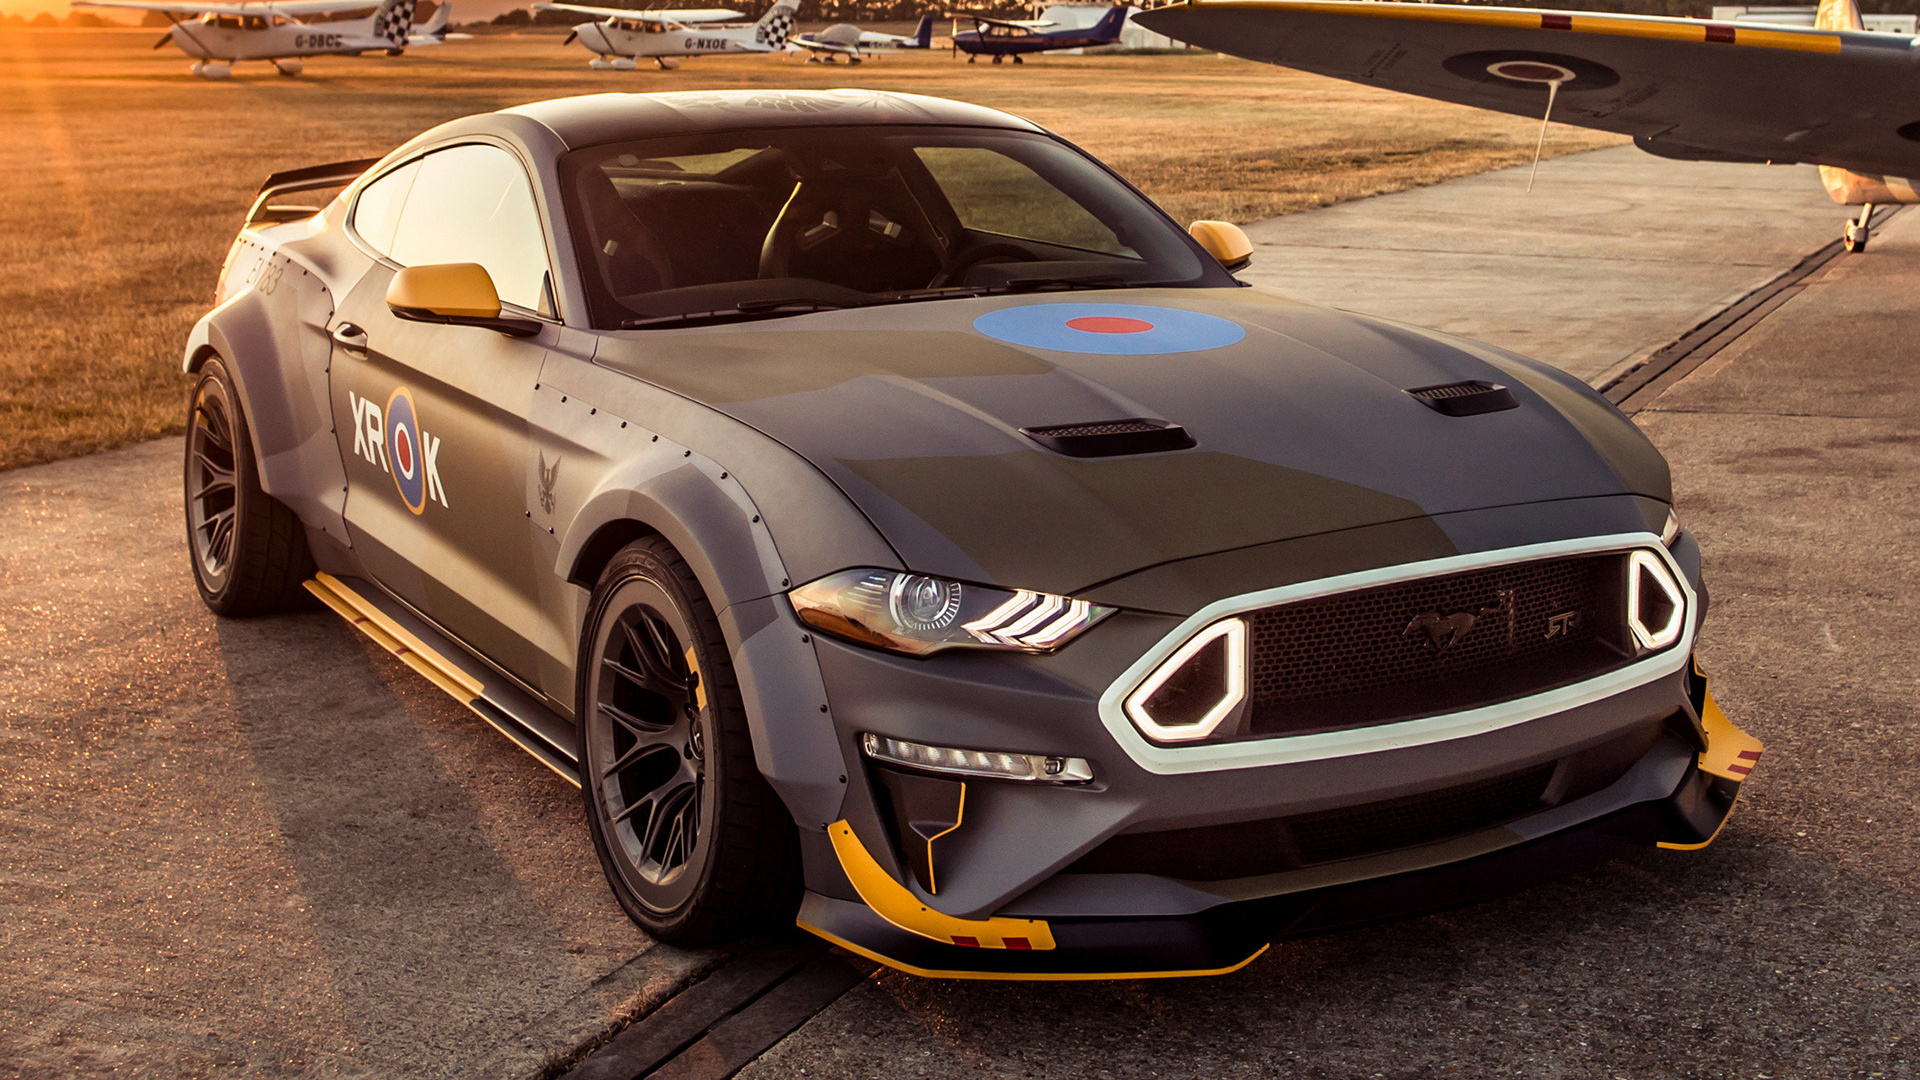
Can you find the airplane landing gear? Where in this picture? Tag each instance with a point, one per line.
(971, 58)
(1857, 232)
(600, 63)
(1017, 60)
(996, 58)
(622, 63)
(666, 63)
(210, 70)
(288, 67)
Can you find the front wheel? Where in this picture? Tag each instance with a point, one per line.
(696, 845)
(249, 551)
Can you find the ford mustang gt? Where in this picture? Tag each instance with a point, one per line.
(896, 524)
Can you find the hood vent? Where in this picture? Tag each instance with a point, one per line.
(1466, 398)
(1111, 438)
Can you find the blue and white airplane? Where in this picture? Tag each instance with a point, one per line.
(1000, 38)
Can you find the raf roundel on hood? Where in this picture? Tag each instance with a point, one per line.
(1109, 329)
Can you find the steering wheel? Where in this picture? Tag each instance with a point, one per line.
(958, 265)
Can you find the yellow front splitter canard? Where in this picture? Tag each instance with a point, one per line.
(1731, 754)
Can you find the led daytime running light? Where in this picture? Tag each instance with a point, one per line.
(1235, 631)
(996, 764)
(1643, 565)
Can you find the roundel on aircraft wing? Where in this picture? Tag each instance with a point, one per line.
(1108, 329)
(403, 451)
(1531, 68)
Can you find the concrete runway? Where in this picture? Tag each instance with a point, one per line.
(264, 848)
(1615, 253)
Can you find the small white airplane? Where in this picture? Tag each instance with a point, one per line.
(221, 34)
(1833, 95)
(628, 34)
(848, 40)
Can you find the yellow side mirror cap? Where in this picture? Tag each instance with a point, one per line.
(1224, 241)
(445, 290)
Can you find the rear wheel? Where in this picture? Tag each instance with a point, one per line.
(696, 845)
(249, 551)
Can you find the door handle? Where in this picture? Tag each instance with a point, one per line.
(350, 338)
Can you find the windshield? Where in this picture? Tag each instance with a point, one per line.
(752, 224)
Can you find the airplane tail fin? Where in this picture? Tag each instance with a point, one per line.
(923, 34)
(1838, 15)
(436, 26)
(393, 20)
(776, 26)
(1108, 28)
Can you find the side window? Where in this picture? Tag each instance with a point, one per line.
(473, 204)
(378, 210)
(991, 192)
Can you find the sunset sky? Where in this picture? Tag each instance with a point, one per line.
(463, 10)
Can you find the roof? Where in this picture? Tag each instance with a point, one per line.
(591, 119)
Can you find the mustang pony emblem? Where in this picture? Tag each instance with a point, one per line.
(1445, 631)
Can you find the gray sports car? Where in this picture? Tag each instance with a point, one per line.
(895, 523)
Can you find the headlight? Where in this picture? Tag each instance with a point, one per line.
(914, 613)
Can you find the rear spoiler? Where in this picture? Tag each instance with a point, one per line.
(265, 212)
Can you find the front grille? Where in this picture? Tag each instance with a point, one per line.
(1253, 848)
(1435, 644)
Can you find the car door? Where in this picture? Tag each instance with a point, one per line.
(432, 420)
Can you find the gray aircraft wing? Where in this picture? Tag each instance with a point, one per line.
(1683, 88)
(682, 16)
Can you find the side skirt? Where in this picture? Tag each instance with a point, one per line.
(532, 726)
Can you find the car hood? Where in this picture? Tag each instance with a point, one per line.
(1299, 413)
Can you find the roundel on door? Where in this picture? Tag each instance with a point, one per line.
(404, 451)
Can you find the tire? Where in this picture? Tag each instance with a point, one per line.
(697, 847)
(249, 552)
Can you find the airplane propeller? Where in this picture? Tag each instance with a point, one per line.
(165, 40)
(572, 35)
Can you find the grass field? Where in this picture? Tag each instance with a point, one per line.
(125, 177)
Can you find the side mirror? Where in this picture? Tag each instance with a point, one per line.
(454, 294)
(1224, 241)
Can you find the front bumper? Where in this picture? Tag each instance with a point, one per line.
(1674, 796)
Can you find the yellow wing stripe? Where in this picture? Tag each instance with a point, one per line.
(891, 901)
(1614, 26)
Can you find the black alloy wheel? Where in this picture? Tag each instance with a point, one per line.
(249, 551)
(697, 847)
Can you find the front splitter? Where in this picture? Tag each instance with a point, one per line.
(1231, 935)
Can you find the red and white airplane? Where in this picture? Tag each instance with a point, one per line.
(1833, 95)
(219, 34)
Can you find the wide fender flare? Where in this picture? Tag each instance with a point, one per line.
(234, 330)
(272, 338)
(708, 517)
